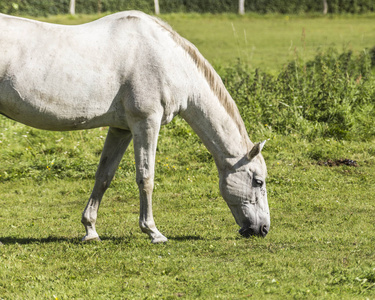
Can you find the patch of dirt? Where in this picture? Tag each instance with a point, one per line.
(338, 162)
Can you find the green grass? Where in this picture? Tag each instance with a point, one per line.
(271, 41)
(321, 243)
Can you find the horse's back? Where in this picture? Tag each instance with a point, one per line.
(76, 76)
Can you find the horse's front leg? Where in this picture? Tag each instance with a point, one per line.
(145, 134)
(115, 145)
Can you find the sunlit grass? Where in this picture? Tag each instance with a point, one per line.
(320, 243)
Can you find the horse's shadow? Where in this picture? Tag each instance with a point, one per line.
(54, 239)
(183, 238)
(77, 240)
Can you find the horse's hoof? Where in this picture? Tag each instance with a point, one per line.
(159, 240)
(87, 239)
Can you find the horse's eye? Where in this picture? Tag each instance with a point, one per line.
(259, 182)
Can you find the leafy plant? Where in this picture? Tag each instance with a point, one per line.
(52, 7)
(326, 96)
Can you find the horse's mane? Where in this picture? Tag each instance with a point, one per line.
(213, 79)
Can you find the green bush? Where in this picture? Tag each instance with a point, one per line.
(46, 7)
(284, 6)
(352, 6)
(302, 6)
(332, 95)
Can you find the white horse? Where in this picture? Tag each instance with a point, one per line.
(133, 73)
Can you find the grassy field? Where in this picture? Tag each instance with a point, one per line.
(321, 243)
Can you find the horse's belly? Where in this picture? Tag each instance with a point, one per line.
(39, 110)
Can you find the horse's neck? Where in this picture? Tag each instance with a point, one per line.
(223, 135)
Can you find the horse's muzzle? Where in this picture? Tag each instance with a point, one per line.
(248, 231)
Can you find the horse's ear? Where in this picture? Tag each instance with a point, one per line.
(255, 150)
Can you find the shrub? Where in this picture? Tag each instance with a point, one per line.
(46, 7)
(332, 95)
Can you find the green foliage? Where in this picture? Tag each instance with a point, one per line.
(34, 7)
(329, 96)
(199, 6)
(285, 6)
(356, 6)
(46, 7)
(303, 6)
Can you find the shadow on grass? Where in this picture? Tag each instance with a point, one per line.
(56, 239)
(186, 238)
(77, 240)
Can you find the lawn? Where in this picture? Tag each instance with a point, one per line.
(321, 243)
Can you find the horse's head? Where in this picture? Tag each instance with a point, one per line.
(244, 189)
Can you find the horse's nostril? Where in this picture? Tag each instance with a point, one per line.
(263, 230)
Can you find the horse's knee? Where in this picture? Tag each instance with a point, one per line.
(104, 185)
(103, 181)
(145, 185)
(88, 219)
(89, 215)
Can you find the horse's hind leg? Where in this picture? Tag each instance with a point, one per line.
(115, 145)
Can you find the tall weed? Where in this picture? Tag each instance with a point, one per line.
(329, 96)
